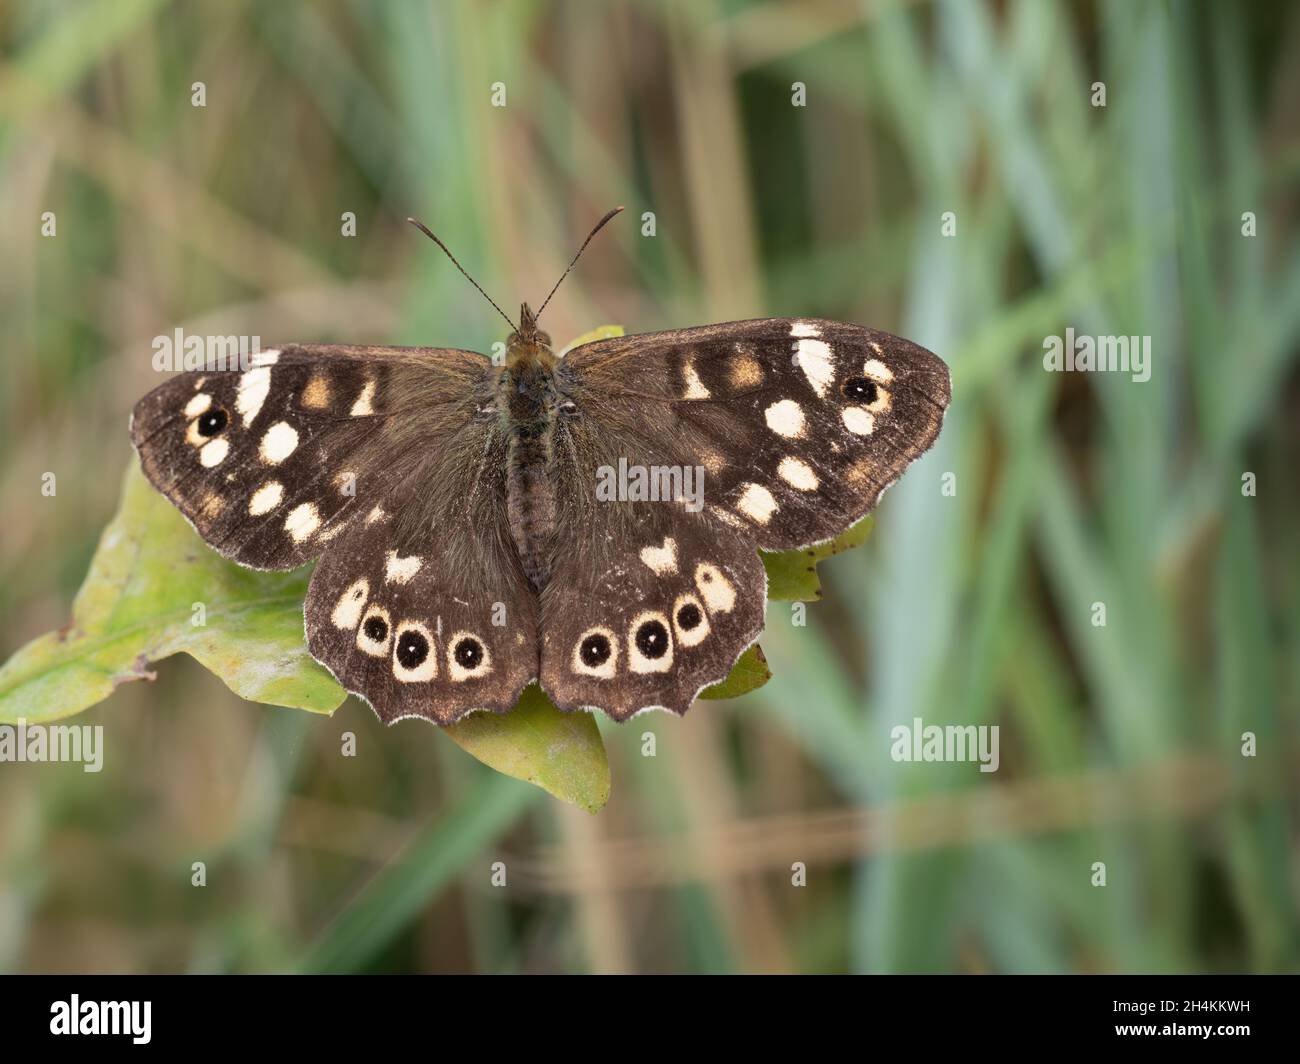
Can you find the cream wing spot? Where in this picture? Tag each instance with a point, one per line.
(302, 521)
(280, 441)
(814, 358)
(649, 643)
(264, 358)
(347, 611)
(376, 632)
(804, 328)
(661, 560)
(266, 498)
(877, 370)
(693, 387)
(785, 418)
(415, 656)
(858, 420)
(377, 514)
(198, 404)
(214, 452)
(756, 503)
(400, 570)
(797, 473)
(715, 589)
(364, 405)
(254, 387)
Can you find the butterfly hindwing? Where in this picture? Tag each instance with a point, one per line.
(648, 617)
(434, 625)
(799, 425)
(270, 464)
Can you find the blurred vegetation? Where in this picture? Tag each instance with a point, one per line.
(1120, 744)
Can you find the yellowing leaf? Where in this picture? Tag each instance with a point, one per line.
(560, 752)
(154, 589)
(600, 332)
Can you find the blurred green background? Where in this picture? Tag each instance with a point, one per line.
(1120, 744)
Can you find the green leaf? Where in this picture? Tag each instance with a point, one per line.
(560, 752)
(792, 574)
(748, 674)
(150, 581)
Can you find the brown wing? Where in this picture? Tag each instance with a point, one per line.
(270, 464)
(800, 424)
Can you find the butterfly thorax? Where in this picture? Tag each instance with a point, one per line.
(527, 402)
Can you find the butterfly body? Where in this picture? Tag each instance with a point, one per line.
(528, 402)
(590, 521)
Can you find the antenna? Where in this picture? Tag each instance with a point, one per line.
(426, 231)
(599, 226)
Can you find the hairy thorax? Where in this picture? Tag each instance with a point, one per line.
(527, 400)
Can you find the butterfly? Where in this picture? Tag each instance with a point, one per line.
(479, 526)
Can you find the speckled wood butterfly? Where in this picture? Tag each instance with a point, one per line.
(468, 542)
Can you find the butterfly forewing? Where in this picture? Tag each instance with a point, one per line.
(271, 463)
(799, 424)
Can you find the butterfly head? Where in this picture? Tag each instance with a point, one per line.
(528, 345)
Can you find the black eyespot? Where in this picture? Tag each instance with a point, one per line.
(652, 639)
(412, 649)
(376, 629)
(468, 653)
(212, 421)
(689, 616)
(861, 389)
(595, 650)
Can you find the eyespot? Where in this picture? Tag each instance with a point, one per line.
(860, 390)
(690, 622)
(652, 639)
(650, 644)
(375, 633)
(211, 422)
(595, 650)
(596, 654)
(413, 656)
(469, 658)
(412, 649)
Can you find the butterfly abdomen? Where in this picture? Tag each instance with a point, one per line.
(529, 404)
